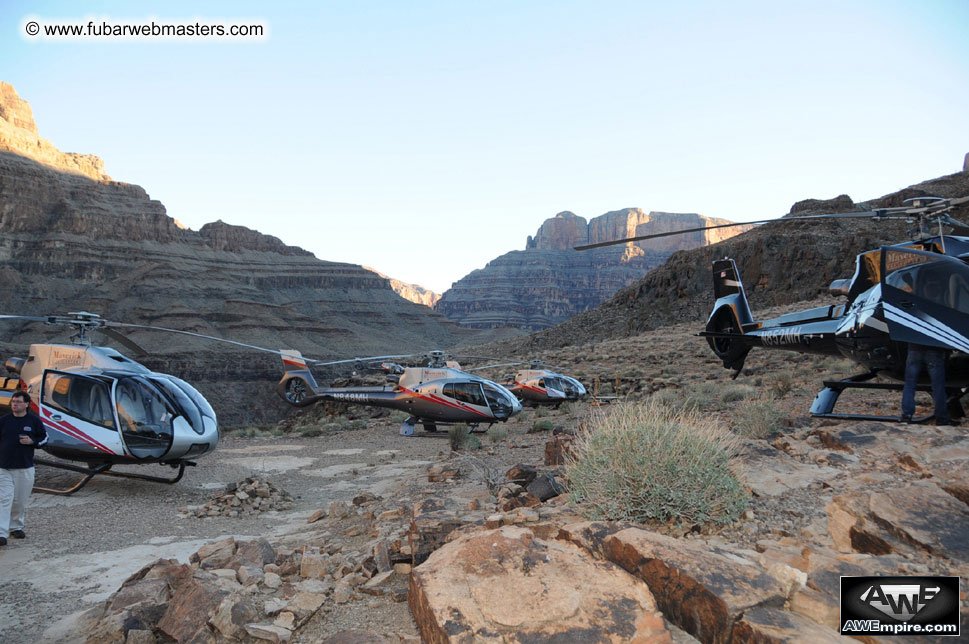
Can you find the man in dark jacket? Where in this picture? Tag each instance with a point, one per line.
(20, 433)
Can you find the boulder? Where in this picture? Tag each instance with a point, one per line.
(186, 618)
(702, 591)
(507, 586)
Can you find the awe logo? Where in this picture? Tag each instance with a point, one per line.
(900, 606)
(901, 601)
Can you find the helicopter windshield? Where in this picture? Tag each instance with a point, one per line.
(187, 405)
(939, 281)
(145, 415)
(502, 404)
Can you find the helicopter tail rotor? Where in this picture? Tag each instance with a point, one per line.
(297, 387)
(725, 327)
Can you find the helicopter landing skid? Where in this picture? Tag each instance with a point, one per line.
(104, 468)
(824, 402)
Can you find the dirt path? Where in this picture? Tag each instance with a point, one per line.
(80, 548)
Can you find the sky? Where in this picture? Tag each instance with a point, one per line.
(424, 139)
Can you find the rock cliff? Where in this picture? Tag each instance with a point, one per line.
(73, 239)
(780, 263)
(411, 292)
(549, 282)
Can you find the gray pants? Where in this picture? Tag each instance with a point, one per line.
(15, 487)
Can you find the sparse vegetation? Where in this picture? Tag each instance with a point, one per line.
(541, 412)
(782, 383)
(461, 438)
(760, 418)
(543, 425)
(736, 391)
(497, 433)
(645, 462)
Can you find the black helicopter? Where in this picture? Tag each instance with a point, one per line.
(103, 409)
(438, 393)
(915, 291)
(538, 385)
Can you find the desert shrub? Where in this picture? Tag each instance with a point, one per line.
(642, 462)
(461, 438)
(311, 432)
(541, 412)
(668, 397)
(399, 417)
(736, 391)
(758, 418)
(782, 384)
(567, 407)
(544, 425)
(497, 433)
(702, 396)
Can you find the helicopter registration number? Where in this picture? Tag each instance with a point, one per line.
(776, 337)
(351, 397)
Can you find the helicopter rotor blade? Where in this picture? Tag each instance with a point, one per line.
(872, 214)
(124, 340)
(128, 325)
(30, 318)
(496, 366)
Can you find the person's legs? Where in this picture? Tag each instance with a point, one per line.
(913, 365)
(6, 501)
(23, 485)
(935, 363)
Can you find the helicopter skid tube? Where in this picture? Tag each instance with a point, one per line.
(103, 468)
(824, 402)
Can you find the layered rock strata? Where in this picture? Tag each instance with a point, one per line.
(550, 282)
(74, 240)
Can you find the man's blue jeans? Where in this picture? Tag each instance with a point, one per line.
(934, 360)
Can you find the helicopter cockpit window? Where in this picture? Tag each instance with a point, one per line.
(79, 396)
(939, 281)
(183, 404)
(145, 416)
(466, 392)
(554, 383)
(501, 403)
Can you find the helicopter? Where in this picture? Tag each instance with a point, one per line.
(102, 409)
(438, 393)
(910, 292)
(539, 386)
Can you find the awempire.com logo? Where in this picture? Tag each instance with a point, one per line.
(900, 606)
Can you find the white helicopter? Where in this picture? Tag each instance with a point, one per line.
(539, 386)
(438, 393)
(102, 409)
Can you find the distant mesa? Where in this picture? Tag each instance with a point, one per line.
(411, 292)
(549, 282)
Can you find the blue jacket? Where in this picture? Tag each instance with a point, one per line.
(13, 455)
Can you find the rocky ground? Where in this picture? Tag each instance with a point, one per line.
(826, 499)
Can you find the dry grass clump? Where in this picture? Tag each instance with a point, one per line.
(460, 438)
(646, 462)
(760, 418)
(543, 425)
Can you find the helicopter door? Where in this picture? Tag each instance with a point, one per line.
(926, 298)
(145, 417)
(553, 387)
(79, 408)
